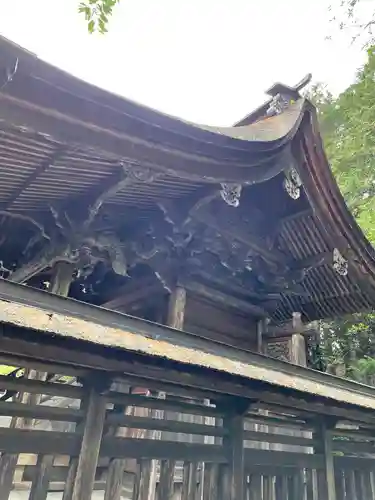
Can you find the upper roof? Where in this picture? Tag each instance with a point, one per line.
(62, 140)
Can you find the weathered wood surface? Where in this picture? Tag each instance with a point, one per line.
(226, 359)
(90, 446)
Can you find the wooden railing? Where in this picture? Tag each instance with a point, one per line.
(138, 460)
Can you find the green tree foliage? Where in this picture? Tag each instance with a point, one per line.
(347, 127)
(97, 13)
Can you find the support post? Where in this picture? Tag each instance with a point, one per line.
(176, 308)
(234, 444)
(298, 344)
(326, 476)
(92, 436)
(175, 319)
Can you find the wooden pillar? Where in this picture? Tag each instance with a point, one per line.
(90, 446)
(175, 319)
(234, 448)
(298, 344)
(176, 308)
(326, 476)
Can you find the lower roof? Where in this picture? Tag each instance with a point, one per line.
(119, 343)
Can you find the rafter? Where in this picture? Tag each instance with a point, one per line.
(39, 170)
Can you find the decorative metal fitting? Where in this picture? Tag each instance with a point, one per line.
(231, 194)
(292, 183)
(278, 104)
(340, 264)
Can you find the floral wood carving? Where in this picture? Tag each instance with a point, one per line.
(278, 350)
(278, 104)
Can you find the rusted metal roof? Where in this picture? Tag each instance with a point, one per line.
(61, 139)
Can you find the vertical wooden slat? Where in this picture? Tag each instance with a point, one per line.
(340, 487)
(256, 487)
(88, 457)
(281, 488)
(189, 483)
(309, 484)
(40, 483)
(366, 485)
(116, 467)
(211, 482)
(224, 483)
(350, 487)
(166, 489)
(142, 491)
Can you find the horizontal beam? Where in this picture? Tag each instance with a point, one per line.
(40, 387)
(40, 412)
(164, 425)
(225, 300)
(269, 437)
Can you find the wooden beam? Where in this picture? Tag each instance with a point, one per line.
(225, 300)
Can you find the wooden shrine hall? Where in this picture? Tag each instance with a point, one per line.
(159, 286)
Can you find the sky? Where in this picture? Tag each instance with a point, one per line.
(207, 61)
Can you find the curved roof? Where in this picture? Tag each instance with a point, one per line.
(62, 138)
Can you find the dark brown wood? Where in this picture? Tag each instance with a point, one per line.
(90, 446)
(11, 409)
(256, 487)
(167, 468)
(8, 460)
(211, 481)
(8, 464)
(142, 488)
(165, 425)
(281, 488)
(350, 486)
(41, 480)
(40, 387)
(114, 483)
(189, 483)
(61, 278)
(326, 476)
(309, 484)
(226, 301)
(236, 455)
(116, 467)
(298, 343)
